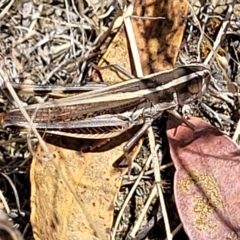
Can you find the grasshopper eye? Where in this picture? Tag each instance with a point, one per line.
(195, 86)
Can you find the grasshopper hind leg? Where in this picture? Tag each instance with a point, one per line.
(186, 122)
(133, 140)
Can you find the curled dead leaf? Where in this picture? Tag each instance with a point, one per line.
(73, 195)
(158, 40)
(206, 184)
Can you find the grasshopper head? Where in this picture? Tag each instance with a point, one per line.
(194, 88)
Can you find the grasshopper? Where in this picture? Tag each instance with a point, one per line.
(112, 110)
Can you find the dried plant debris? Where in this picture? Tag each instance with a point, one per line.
(215, 33)
(44, 42)
(53, 41)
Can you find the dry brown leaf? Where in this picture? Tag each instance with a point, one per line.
(206, 184)
(158, 40)
(55, 212)
(117, 53)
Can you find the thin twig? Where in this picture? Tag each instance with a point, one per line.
(143, 213)
(133, 44)
(176, 230)
(8, 227)
(15, 193)
(236, 133)
(24, 112)
(4, 202)
(130, 194)
(5, 10)
(221, 32)
(159, 182)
